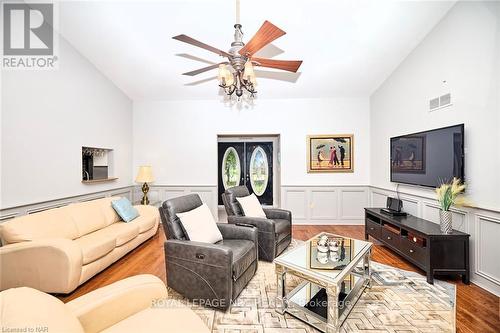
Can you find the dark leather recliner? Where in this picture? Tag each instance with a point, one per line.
(209, 274)
(275, 231)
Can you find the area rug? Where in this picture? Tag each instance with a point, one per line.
(399, 301)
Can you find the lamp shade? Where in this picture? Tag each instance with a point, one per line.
(248, 72)
(222, 73)
(145, 174)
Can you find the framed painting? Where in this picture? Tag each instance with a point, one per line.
(330, 153)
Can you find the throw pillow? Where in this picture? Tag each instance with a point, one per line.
(200, 225)
(124, 208)
(251, 206)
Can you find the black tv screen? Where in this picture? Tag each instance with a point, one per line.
(428, 158)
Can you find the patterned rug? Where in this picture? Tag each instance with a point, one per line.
(399, 301)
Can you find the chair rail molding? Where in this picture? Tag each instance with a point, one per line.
(11, 212)
(158, 192)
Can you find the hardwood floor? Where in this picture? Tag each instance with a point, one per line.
(477, 309)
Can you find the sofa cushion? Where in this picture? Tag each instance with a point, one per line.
(27, 308)
(122, 231)
(176, 319)
(149, 215)
(282, 228)
(87, 216)
(244, 254)
(110, 214)
(52, 223)
(96, 245)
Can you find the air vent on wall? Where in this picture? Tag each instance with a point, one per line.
(440, 102)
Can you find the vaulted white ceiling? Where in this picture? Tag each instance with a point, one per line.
(349, 47)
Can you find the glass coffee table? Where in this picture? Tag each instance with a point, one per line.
(335, 270)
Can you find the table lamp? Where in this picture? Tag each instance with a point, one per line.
(145, 176)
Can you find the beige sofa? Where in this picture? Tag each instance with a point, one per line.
(135, 304)
(59, 249)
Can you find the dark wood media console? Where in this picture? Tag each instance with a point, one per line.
(421, 242)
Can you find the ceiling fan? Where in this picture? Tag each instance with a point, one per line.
(236, 74)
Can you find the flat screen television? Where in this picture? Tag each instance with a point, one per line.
(428, 158)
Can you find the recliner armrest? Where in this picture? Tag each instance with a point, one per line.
(238, 231)
(276, 213)
(262, 224)
(106, 306)
(202, 253)
(50, 265)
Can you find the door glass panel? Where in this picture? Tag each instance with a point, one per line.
(231, 169)
(259, 173)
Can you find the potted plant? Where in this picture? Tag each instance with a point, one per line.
(449, 194)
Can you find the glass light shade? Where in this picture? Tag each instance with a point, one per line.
(229, 78)
(145, 174)
(248, 73)
(222, 73)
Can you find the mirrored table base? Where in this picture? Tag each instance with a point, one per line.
(311, 301)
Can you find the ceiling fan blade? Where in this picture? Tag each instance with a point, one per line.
(286, 65)
(192, 41)
(265, 35)
(204, 69)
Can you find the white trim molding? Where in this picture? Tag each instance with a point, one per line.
(11, 212)
(328, 204)
(482, 250)
(207, 193)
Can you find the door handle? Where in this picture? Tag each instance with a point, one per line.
(389, 237)
(200, 256)
(411, 251)
(371, 228)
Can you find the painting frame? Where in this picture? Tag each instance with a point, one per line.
(316, 166)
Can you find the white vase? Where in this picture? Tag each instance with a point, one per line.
(445, 221)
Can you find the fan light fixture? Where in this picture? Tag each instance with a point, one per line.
(236, 75)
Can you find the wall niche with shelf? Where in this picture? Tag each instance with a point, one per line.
(97, 165)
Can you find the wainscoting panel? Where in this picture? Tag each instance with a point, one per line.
(295, 200)
(9, 213)
(378, 199)
(483, 226)
(352, 203)
(431, 213)
(487, 238)
(325, 204)
(160, 193)
(172, 193)
(411, 206)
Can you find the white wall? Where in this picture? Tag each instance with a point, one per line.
(464, 50)
(47, 116)
(179, 138)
